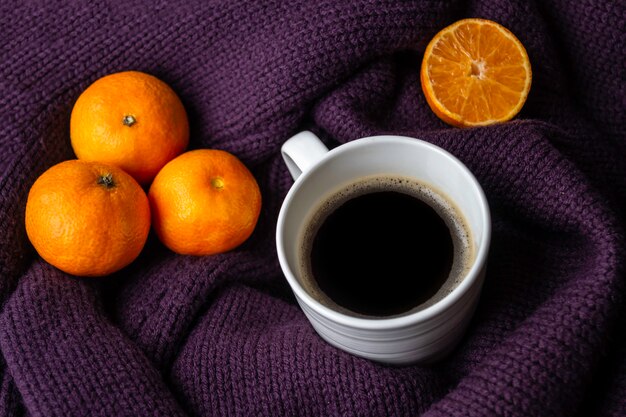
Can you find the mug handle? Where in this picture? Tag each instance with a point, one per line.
(301, 152)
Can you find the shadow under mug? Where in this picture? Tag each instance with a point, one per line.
(421, 336)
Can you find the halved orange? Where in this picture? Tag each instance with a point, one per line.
(475, 72)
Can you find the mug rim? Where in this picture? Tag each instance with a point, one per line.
(400, 321)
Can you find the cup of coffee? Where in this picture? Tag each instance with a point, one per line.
(384, 242)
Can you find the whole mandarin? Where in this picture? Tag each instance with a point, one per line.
(204, 202)
(131, 120)
(87, 218)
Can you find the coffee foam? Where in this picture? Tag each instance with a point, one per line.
(463, 256)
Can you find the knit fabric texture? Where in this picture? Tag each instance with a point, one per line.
(222, 335)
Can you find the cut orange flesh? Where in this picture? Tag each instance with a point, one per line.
(475, 72)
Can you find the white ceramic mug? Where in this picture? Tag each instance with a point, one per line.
(424, 335)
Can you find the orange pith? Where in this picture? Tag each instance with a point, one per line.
(475, 72)
(131, 120)
(87, 218)
(204, 202)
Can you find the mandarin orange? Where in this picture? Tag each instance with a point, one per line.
(204, 202)
(87, 218)
(131, 120)
(475, 72)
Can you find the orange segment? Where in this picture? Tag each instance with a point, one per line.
(475, 72)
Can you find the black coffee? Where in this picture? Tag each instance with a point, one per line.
(384, 246)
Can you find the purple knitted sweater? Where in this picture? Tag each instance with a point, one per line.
(222, 335)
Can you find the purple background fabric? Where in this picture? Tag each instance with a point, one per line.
(222, 335)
